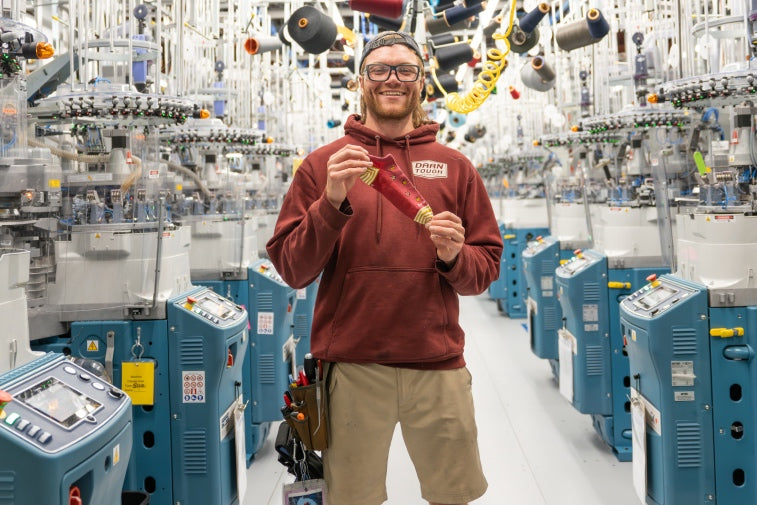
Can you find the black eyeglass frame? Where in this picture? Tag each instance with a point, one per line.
(392, 68)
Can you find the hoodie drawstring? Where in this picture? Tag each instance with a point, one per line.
(378, 195)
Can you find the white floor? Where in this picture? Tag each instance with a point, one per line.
(536, 448)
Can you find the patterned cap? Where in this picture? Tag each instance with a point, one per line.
(389, 39)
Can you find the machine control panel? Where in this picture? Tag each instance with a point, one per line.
(55, 405)
(655, 298)
(535, 246)
(214, 308)
(575, 265)
(266, 268)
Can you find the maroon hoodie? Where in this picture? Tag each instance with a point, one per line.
(384, 297)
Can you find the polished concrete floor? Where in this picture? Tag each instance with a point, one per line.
(536, 448)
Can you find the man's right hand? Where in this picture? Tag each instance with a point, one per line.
(342, 170)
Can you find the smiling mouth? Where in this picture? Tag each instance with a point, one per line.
(392, 93)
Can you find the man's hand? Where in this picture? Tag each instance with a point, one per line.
(342, 170)
(448, 235)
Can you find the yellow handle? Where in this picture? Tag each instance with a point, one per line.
(726, 332)
(619, 285)
(509, 236)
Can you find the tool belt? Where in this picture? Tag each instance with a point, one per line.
(308, 413)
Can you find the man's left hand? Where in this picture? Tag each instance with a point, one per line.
(448, 235)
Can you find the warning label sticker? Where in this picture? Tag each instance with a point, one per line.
(265, 323)
(193, 386)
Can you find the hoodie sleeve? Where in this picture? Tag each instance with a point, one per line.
(307, 228)
(478, 263)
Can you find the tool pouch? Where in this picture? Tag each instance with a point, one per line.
(312, 427)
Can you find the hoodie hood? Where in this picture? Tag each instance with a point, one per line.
(421, 135)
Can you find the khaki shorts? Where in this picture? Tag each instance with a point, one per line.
(435, 411)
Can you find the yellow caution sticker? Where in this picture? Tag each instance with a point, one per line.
(93, 345)
(138, 381)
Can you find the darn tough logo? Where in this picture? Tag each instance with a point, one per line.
(429, 169)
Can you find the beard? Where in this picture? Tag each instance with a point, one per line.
(395, 111)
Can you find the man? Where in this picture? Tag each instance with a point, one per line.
(386, 314)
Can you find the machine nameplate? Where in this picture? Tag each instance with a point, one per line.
(590, 312)
(90, 177)
(547, 282)
(226, 422)
(683, 396)
(682, 373)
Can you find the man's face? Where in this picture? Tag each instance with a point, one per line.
(391, 99)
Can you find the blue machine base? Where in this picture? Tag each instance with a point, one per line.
(554, 364)
(540, 260)
(605, 427)
(591, 307)
(509, 290)
(271, 310)
(257, 434)
(152, 430)
(303, 317)
(170, 436)
(238, 291)
(265, 374)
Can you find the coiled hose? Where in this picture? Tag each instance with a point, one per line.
(487, 79)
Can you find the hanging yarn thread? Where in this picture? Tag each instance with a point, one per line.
(582, 32)
(529, 21)
(447, 81)
(313, 30)
(451, 56)
(260, 45)
(538, 74)
(391, 9)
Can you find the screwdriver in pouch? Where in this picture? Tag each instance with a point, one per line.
(309, 366)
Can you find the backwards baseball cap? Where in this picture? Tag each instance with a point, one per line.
(389, 39)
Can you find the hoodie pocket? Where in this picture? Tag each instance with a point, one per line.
(390, 315)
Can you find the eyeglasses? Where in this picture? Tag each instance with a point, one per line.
(380, 72)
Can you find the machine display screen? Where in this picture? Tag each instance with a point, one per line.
(59, 402)
(654, 297)
(213, 307)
